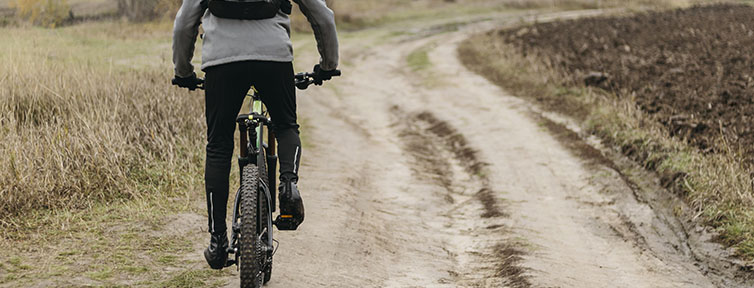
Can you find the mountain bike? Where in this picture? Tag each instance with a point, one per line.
(251, 241)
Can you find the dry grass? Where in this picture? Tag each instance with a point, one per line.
(79, 124)
(101, 151)
(717, 187)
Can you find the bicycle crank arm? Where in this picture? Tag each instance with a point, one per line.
(230, 262)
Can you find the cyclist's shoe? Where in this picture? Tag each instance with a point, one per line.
(291, 207)
(217, 252)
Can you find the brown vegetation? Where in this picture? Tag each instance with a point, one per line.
(43, 12)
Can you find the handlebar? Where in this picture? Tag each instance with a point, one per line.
(199, 86)
(302, 80)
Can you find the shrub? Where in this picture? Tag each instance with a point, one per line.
(145, 10)
(43, 12)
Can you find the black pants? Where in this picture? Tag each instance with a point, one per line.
(226, 87)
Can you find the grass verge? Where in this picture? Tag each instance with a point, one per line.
(717, 187)
(102, 153)
(87, 116)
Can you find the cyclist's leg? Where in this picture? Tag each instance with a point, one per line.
(274, 81)
(226, 86)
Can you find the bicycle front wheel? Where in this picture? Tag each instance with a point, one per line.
(251, 248)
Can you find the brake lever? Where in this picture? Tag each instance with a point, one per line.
(303, 80)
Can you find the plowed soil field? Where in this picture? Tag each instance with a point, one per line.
(691, 69)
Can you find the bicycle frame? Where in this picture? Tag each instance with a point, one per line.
(253, 126)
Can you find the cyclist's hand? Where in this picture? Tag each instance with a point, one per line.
(191, 82)
(323, 75)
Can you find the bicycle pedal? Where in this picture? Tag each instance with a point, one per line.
(286, 223)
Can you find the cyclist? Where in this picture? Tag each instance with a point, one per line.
(238, 54)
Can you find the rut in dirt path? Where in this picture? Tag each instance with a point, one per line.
(436, 147)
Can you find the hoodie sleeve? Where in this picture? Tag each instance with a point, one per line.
(322, 20)
(185, 30)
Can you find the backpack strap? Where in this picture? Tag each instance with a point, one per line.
(286, 6)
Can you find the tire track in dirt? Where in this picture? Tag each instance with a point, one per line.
(436, 148)
(454, 142)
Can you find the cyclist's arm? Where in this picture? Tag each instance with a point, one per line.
(185, 30)
(322, 20)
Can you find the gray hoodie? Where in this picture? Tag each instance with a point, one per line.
(228, 40)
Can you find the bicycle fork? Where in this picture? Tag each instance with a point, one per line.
(247, 126)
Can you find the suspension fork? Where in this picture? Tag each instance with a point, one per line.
(246, 132)
(242, 129)
(272, 161)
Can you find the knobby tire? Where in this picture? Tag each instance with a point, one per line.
(251, 253)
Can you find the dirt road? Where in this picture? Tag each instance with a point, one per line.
(434, 177)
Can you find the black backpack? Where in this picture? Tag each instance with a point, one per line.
(248, 9)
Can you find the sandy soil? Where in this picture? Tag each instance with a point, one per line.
(437, 178)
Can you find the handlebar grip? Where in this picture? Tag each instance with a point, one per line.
(336, 73)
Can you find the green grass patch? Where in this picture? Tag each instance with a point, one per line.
(194, 278)
(419, 59)
(135, 269)
(103, 274)
(167, 259)
(17, 265)
(420, 63)
(9, 278)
